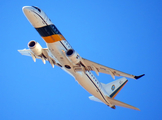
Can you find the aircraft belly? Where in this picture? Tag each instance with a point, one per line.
(56, 50)
(88, 85)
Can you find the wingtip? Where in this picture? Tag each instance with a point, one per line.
(137, 77)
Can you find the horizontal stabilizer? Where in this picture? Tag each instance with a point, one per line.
(95, 99)
(119, 103)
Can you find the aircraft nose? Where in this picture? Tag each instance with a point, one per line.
(26, 9)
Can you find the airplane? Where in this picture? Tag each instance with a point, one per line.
(60, 53)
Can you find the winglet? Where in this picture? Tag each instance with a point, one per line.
(137, 77)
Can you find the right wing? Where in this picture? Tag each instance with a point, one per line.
(103, 69)
(44, 57)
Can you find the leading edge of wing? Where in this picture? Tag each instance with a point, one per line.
(108, 70)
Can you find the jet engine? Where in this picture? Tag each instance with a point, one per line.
(35, 47)
(73, 56)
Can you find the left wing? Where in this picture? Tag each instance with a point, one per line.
(45, 57)
(103, 69)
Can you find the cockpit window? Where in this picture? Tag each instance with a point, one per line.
(37, 8)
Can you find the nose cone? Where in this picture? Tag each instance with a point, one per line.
(26, 9)
(30, 15)
(36, 16)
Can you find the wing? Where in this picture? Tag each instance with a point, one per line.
(45, 56)
(107, 70)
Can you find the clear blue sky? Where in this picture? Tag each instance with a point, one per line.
(125, 35)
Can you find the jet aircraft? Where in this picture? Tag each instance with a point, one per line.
(60, 53)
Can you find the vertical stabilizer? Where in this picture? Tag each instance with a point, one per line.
(114, 87)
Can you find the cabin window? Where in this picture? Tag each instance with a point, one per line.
(37, 8)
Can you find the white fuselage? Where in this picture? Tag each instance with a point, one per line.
(85, 78)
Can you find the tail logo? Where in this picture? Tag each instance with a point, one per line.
(113, 87)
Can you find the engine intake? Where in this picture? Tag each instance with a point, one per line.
(31, 43)
(35, 47)
(73, 56)
(70, 52)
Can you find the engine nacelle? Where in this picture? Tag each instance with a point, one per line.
(73, 56)
(35, 47)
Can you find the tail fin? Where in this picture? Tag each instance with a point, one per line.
(119, 103)
(114, 87)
